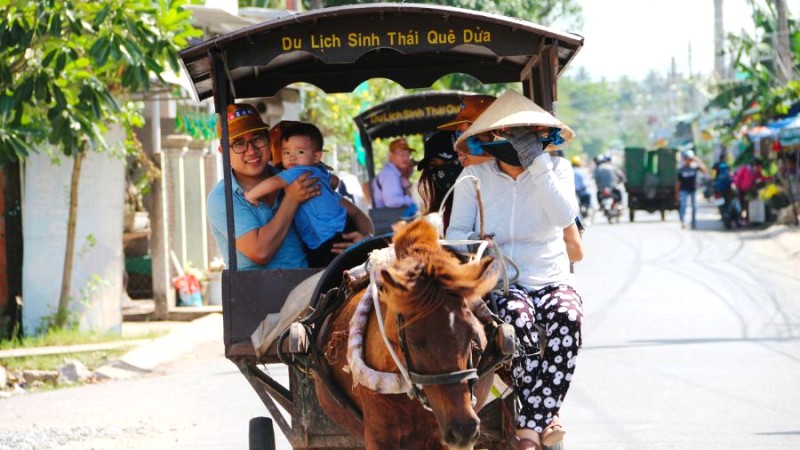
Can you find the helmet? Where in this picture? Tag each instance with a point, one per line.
(687, 154)
(602, 158)
(576, 161)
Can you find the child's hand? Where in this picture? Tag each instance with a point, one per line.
(250, 199)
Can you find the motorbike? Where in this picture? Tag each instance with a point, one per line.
(730, 210)
(610, 205)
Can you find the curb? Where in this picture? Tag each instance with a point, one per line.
(148, 356)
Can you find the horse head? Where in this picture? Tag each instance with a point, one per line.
(429, 295)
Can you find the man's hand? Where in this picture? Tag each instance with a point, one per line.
(302, 189)
(351, 238)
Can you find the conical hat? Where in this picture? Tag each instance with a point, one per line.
(513, 109)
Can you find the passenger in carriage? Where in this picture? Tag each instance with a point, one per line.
(439, 170)
(527, 205)
(471, 108)
(323, 221)
(264, 235)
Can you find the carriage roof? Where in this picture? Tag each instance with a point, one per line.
(336, 49)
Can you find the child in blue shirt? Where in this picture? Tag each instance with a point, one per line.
(322, 220)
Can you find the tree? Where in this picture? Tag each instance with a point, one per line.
(760, 91)
(544, 12)
(67, 72)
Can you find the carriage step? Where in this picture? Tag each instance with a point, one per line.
(298, 338)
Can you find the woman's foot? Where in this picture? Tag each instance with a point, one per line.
(553, 433)
(525, 444)
(526, 439)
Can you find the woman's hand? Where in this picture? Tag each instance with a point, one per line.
(351, 238)
(302, 189)
(526, 142)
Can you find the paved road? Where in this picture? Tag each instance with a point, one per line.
(690, 338)
(691, 342)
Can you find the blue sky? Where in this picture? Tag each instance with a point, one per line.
(632, 37)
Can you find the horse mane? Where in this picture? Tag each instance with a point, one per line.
(425, 275)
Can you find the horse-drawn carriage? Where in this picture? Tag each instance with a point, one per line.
(336, 49)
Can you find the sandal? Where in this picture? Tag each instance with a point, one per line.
(553, 433)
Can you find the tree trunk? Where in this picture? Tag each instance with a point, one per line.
(12, 190)
(66, 281)
(719, 42)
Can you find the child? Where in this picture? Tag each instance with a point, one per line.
(321, 220)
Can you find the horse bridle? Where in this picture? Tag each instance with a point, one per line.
(500, 335)
(469, 375)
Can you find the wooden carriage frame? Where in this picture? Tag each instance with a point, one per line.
(336, 49)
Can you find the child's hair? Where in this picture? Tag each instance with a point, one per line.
(306, 130)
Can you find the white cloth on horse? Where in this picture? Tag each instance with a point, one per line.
(296, 304)
(381, 382)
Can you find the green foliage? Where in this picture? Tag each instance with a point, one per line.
(543, 12)
(756, 94)
(66, 68)
(334, 113)
(92, 360)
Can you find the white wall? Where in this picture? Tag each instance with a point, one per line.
(44, 214)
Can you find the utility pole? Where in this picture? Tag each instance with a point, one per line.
(783, 53)
(719, 42)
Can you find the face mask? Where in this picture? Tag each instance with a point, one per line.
(474, 145)
(445, 176)
(503, 151)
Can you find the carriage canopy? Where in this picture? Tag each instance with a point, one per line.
(336, 49)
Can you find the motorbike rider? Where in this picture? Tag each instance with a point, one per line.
(581, 185)
(607, 175)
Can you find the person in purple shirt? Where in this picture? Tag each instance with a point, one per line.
(321, 221)
(391, 188)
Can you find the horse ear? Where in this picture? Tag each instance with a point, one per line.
(388, 279)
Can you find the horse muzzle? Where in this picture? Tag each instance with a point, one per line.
(462, 435)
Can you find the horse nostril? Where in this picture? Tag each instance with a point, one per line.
(463, 434)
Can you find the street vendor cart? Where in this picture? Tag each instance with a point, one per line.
(336, 49)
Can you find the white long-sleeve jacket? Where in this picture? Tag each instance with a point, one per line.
(527, 216)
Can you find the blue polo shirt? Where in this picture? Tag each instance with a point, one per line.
(319, 218)
(247, 217)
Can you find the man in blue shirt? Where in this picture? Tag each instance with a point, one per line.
(391, 188)
(265, 238)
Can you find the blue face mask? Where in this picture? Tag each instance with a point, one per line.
(474, 145)
(553, 136)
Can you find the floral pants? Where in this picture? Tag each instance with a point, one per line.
(542, 379)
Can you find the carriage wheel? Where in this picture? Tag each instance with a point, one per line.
(262, 436)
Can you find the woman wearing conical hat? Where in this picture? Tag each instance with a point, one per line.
(527, 203)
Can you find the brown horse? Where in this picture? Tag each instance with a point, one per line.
(426, 297)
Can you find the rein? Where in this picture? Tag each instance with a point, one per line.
(483, 242)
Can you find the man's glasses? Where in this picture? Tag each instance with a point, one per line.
(258, 143)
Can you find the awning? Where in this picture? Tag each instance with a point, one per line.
(790, 133)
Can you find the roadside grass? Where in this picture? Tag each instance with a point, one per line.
(91, 359)
(74, 337)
